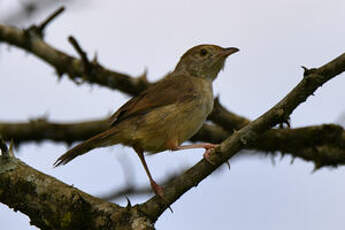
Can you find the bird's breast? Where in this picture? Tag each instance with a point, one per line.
(192, 114)
(176, 122)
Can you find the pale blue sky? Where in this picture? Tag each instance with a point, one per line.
(275, 38)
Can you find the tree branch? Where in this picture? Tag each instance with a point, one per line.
(51, 204)
(309, 143)
(31, 41)
(226, 119)
(246, 136)
(40, 129)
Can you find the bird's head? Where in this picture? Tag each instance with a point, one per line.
(204, 61)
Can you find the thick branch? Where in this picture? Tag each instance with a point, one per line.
(40, 130)
(246, 136)
(313, 139)
(226, 119)
(323, 145)
(51, 204)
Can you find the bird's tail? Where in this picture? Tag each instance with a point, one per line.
(106, 138)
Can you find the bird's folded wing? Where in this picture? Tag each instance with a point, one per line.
(172, 89)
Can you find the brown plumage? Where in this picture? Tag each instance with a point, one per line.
(166, 114)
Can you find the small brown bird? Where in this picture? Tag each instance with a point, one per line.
(167, 113)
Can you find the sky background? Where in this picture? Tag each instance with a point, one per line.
(275, 37)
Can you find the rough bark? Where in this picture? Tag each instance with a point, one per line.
(51, 204)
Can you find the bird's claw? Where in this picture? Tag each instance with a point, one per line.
(209, 148)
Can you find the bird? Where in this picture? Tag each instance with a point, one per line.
(167, 113)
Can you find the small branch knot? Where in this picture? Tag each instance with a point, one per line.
(142, 79)
(248, 137)
(307, 71)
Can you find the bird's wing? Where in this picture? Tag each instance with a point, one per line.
(168, 91)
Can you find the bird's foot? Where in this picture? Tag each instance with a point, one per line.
(209, 148)
(158, 190)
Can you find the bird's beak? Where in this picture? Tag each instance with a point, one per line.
(228, 51)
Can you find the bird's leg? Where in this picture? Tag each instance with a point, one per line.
(207, 146)
(158, 190)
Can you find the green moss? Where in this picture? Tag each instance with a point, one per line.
(66, 219)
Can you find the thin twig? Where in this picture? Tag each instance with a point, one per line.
(50, 18)
(27, 10)
(86, 63)
(79, 50)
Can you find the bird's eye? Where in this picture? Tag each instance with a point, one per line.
(203, 52)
